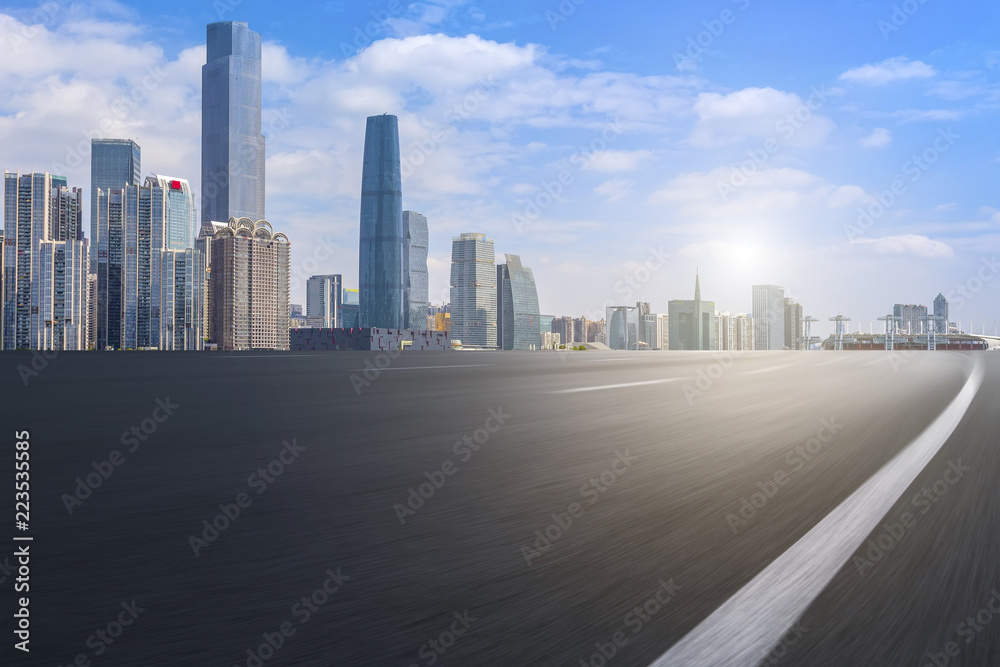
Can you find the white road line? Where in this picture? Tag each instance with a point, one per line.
(752, 622)
(767, 370)
(613, 386)
(417, 368)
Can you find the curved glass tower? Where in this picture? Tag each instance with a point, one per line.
(518, 321)
(232, 146)
(381, 265)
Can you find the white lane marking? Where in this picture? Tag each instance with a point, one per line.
(752, 622)
(767, 370)
(418, 368)
(613, 386)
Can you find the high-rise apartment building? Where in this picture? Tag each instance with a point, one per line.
(473, 291)
(381, 261)
(519, 323)
(180, 215)
(564, 327)
(182, 296)
(232, 146)
(324, 300)
(114, 163)
(415, 297)
(45, 265)
(692, 323)
(769, 316)
(941, 313)
(249, 287)
(793, 325)
(911, 319)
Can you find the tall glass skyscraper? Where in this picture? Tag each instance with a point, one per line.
(769, 317)
(381, 264)
(179, 233)
(114, 163)
(473, 291)
(415, 269)
(941, 313)
(519, 324)
(232, 146)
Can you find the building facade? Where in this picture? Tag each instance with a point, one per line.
(182, 300)
(769, 316)
(911, 318)
(692, 323)
(249, 287)
(324, 300)
(519, 323)
(415, 298)
(114, 163)
(381, 262)
(793, 325)
(232, 146)
(941, 313)
(180, 214)
(60, 296)
(473, 291)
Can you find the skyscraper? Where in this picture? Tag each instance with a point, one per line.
(180, 223)
(769, 317)
(941, 313)
(793, 325)
(45, 277)
(518, 319)
(324, 299)
(473, 291)
(232, 146)
(381, 265)
(181, 300)
(692, 323)
(114, 163)
(249, 287)
(415, 269)
(912, 318)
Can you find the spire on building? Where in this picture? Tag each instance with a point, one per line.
(697, 286)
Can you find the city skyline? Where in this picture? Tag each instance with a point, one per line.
(934, 238)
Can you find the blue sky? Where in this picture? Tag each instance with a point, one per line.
(741, 138)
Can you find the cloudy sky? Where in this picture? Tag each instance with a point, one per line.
(844, 150)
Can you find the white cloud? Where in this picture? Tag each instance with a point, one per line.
(616, 189)
(759, 114)
(879, 138)
(893, 69)
(612, 160)
(906, 244)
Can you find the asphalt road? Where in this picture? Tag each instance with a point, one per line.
(573, 509)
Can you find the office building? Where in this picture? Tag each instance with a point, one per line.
(67, 213)
(114, 163)
(415, 297)
(381, 265)
(692, 323)
(742, 333)
(564, 327)
(180, 215)
(941, 313)
(249, 287)
(232, 146)
(60, 296)
(911, 319)
(181, 300)
(324, 300)
(769, 316)
(581, 327)
(350, 310)
(519, 323)
(646, 327)
(473, 291)
(793, 325)
(91, 309)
